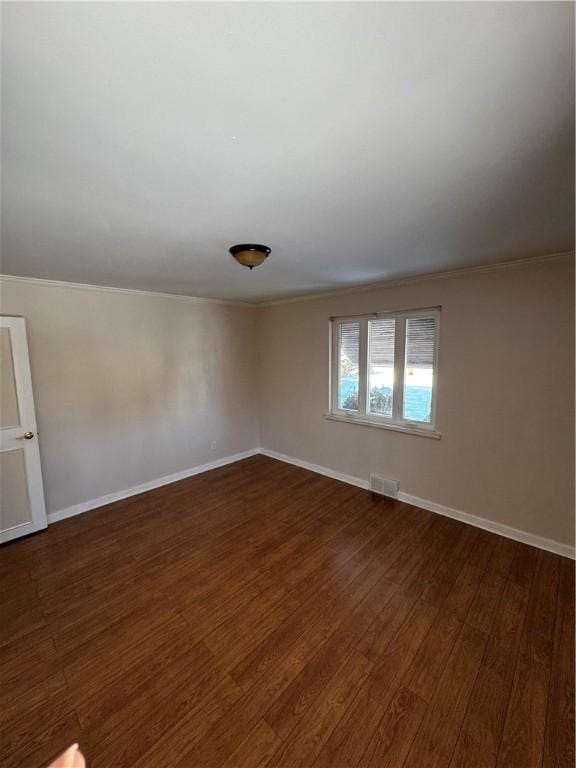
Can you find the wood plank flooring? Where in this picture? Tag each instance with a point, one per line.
(261, 615)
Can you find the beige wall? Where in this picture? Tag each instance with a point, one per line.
(132, 387)
(505, 395)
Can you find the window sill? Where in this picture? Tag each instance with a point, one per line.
(407, 430)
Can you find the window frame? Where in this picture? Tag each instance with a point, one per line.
(363, 415)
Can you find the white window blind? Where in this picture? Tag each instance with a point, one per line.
(419, 368)
(348, 366)
(384, 368)
(381, 366)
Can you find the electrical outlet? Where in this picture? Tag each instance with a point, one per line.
(213, 445)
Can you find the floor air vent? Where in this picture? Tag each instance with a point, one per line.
(384, 486)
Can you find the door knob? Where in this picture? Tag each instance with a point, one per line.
(28, 435)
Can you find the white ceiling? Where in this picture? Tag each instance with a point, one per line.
(360, 141)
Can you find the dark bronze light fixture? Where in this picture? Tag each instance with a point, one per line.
(250, 254)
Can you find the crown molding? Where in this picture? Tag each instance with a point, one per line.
(441, 275)
(128, 291)
(352, 289)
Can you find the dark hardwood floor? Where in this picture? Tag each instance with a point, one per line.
(262, 615)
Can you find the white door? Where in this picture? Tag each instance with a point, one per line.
(22, 509)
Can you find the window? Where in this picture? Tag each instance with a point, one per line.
(384, 369)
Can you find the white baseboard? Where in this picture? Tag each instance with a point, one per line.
(86, 506)
(565, 550)
(479, 522)
(507, 531)
(315, 468)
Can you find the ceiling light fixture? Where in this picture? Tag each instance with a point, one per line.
(250, 254)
